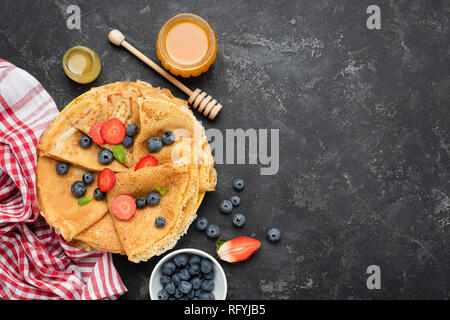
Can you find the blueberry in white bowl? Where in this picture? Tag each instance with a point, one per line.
(206, 282)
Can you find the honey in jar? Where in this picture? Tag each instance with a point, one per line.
(186, 45)
(81, 64)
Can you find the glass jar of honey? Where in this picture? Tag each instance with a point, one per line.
(81, 64)
(186, 45)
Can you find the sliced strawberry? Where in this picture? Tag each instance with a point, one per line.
(238, 249)
(106, 180)
(147, 161)
(95, 134)
(123, 207)
(113, 131)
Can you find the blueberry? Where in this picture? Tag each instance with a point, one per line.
(184, 274)
(78, 189)
(180, 260)
(190, 294)
(209, 276)
(205, 266)
(239, 220)
(238, 184)
(98, 195)
(170, 288)
(213, 231)
(62, 168)
(165, 279)
(197, 292)
(176, 279)
(141, 203)
(201, 224)
(194, 269)
(273, 235)
(152, 199)
(211, 296)
(85, 141)
(185, 287)
(208, 285)
(168, 138)
(196, 283)
(178, 294)
(236, 201)
(160, 222)
(154, 144)
(88, 178)
(168, 268)
(127, 141)
(226, 207)
(105, 157)
(132, 130)
(194, 259)
(204, 295)
(163, 295)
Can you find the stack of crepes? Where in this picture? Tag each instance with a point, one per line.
(185, 169)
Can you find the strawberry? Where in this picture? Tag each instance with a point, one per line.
(113, 131)
(106, 180)
(237, 249)
(95, 134)
(123, 207)
(147, 161)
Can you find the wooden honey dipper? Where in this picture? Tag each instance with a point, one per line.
(198, 99)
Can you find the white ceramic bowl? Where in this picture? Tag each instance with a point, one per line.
(220, 289)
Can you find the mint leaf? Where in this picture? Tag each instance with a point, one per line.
(162, 191)
(84, 200)
(119, 153)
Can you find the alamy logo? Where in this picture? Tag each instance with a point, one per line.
(374, 280)
(374, 20)
(235, 146)
(74, 19)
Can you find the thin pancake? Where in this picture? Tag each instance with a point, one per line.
(139, 236)
(60, 142)
(57, 204)
(116, 100)
(158, 116)
(100, 236)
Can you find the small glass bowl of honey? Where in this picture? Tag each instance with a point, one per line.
(186, 45)
(81, 64)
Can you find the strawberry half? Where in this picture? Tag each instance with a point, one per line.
(237, 249)
(113, 131)
(123, 207)
(95, 134)
(106, 180)
(147, 161)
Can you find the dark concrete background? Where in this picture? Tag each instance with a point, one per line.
(364, 132)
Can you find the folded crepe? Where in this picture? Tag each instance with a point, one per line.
(117, 100)
(139, 236)
(59, 206)
(60, 142)
(187, 167)
(157, 116)
(100, 236)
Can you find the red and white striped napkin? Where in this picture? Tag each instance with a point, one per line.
(35, 263)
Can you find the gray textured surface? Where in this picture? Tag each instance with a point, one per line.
(364, 125)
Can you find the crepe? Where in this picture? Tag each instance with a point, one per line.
(186, 167)
(207, 172)
(58, 205)
(60, 141)
(140, 237)
(117, 100)
(100, 236)
(190, 147)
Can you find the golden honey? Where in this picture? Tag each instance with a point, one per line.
(186, 45)
(81, 64)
